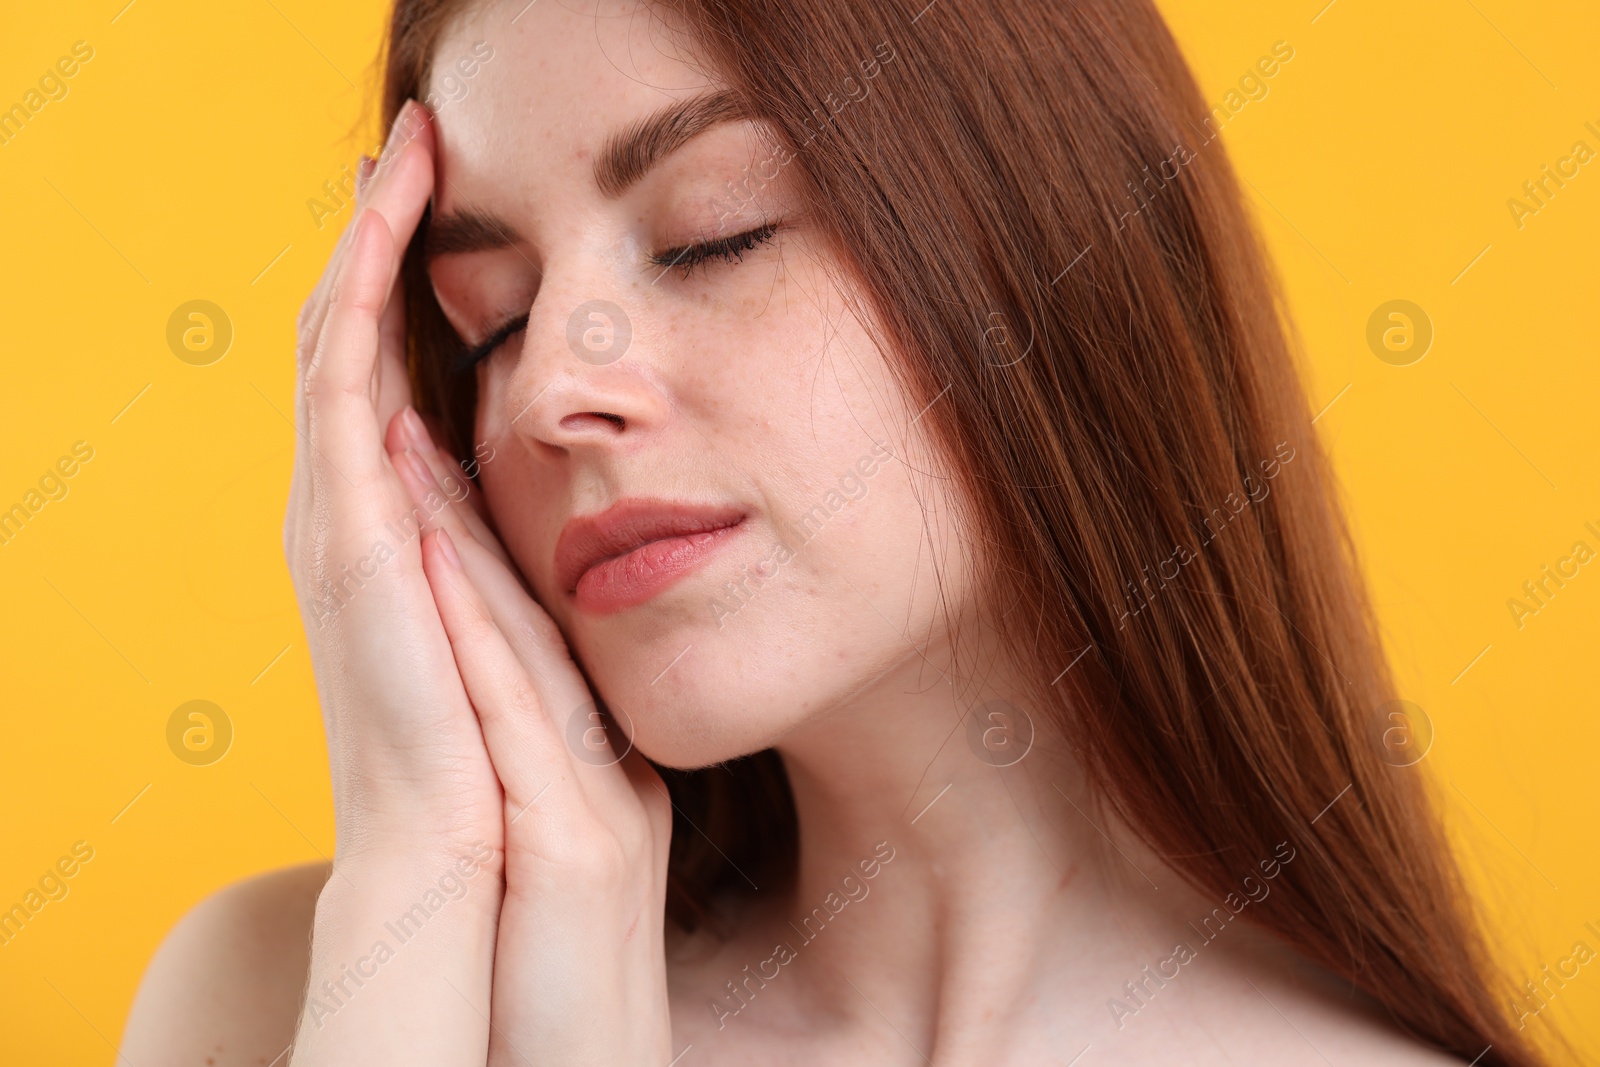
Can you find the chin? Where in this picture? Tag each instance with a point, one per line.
(702, 717)
(694, 692)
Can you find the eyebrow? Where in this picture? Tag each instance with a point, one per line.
(630, 153)
(626, 157)
(468, 230)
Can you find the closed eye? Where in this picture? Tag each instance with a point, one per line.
(471, 357)
(728, 249)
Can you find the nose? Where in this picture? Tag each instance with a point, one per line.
(584, 377)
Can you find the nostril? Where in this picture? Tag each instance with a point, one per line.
(576, 421)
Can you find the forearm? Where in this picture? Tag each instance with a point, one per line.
(581, 981)
(401, 960)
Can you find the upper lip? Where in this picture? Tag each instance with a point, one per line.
(627, 524)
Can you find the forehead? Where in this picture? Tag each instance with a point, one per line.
(558, 77)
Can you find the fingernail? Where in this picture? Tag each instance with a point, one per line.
(407, 121)
(419, 430)
(420, 470)
(416, 432)
(352, 260)
(448, 547)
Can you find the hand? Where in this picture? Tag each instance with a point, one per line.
(409, 767)
(414, 791)
(579, 972)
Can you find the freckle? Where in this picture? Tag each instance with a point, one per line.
(1066, 878)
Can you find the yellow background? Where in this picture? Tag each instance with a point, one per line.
(179, 166)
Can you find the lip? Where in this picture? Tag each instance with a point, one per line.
(626, 554)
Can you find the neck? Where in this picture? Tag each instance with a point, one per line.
(966, 855)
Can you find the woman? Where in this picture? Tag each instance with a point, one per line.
(887, 408)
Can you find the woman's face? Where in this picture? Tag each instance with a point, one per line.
(728, 409)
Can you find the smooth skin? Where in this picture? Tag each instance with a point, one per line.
(1011, 914)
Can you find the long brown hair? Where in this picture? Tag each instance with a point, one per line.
(1029, 197)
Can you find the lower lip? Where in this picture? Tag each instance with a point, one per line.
(631, 579)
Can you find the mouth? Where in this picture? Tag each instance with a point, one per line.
(635, 549)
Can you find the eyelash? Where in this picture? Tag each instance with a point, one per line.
(729, 249)
(471, 357)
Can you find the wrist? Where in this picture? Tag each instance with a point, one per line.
(440, 878)
(400, 937)
(396, 841)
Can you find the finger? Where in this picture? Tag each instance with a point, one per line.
(434, 508)
(482, 453)
(402, 180)
(530, 631)
(528, 628)
(309, 324)
(596, 744)
(414, 180)
(527, 751)
(315, 309)
(399, 190)
(392, 389)
(341, 425)
(443, 476)
(399, 185)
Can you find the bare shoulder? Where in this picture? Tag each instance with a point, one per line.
(224, 987)
(1291, 1011)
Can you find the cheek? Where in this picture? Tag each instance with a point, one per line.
(795, 617)
(772, 645)
(784, 402)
